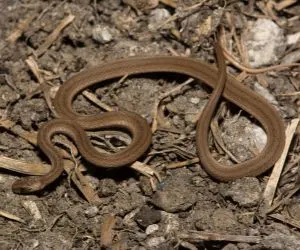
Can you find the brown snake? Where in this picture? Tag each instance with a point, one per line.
(74, 125)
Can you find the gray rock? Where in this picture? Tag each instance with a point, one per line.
(157, 17)
(265, 42)
(151, 229)
(176, 195)
(246, 191)
(265, 93)
(223, 220)
(240, 135)
(102, 34)
(155, 241)
(278, 241)
(147, 216)
(108, 187)
(91, 212)
(230, 246)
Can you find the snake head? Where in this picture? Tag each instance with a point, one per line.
(27, 185)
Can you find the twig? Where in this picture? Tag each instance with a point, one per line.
(22, 26)
(195, 236)
(180, 15)
(214, 126)
(32, 64)
(285, 199)
(183, 163)
(107, 234)
(31, 137)
(286, 220)
(284, 4)
(32, 208)
(93, 98)
(163, 96)
(170, 3)
(11, 216)
(147, 171)
(81, 183)
(54, 35)
(241, 67)
(289, 94)
(276, 173)
(24, 167)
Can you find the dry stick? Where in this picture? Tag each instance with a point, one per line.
(148, 171)
(286, 220)
(285, 199)
(54, 35)
(32, 208)
(163, 96)
(237, 64)
(107, 234)
(81, 182)
(22, 26)
(195, 236)
(214, 127)
(31, 137)
(269, 10)
(170, 3)
(179, 15)
(93, 98)
(183, 163)
(274, 178)
(32, 64)
(24, 167)
(11, 216)
(289, 94)
(283, 4)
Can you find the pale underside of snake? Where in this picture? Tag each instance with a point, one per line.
(74, 125)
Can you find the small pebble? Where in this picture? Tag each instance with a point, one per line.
(151, 229)
(91, 212)
(157, 17)
(155, 241)
(108, 187)
(265, 42)
(102, 34)
(195, 100)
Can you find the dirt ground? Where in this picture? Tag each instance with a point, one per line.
(44, 43)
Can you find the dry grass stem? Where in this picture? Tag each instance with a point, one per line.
(31, 137)
(163, 96)
(284, 4)
(286, 220)
(107, 232)
(195, 236)
(81, 183)
(183, 163)
(23, 167)
(241, 67)
(276, 173)
(11, 216)
(289, 94)
(22, 26)
(54, 35)
(93, 98)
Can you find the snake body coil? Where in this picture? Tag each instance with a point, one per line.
(74, 125)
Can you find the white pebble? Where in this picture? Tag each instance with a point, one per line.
(151, 229)
(155, 241)
(102, 34)
(265, 42)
